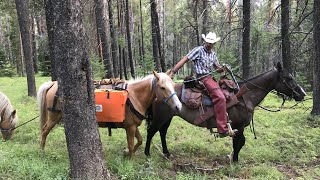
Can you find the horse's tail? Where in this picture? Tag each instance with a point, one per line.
(41, 98)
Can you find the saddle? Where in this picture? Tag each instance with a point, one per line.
(194, 94)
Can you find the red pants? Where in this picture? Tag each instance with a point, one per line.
(219, 107)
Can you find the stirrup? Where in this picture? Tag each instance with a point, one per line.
(231, 132)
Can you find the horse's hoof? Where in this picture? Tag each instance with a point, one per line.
(230, 157)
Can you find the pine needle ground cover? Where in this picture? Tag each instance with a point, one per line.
(287, 146)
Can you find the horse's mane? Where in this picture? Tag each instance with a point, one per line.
(256, 76)
(138, 79)
(5, 105)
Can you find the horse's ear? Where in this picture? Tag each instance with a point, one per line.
(156, 75)
(279, 66)
(13, 114)
(170, 73)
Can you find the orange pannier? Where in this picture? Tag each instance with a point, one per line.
(110, 105)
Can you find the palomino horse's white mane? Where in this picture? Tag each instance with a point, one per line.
(5, 106)
(138, 79)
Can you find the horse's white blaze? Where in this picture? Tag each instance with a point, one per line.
(174, 98)
(302, 90)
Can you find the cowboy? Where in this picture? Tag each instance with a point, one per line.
(204, 59)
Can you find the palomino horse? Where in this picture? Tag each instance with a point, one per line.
(141, 94)
(240, 114)
(8, 117)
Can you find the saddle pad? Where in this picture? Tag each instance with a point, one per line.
(110, 105)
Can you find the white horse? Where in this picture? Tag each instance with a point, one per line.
(8, 117)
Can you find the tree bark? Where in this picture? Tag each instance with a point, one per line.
(286, 56)
(129, 41)
(50, 21)
(246, 40)
(76, 89)
(23, 18)
(113, 38)
(155, 43)
(316, 59)
(101, 26)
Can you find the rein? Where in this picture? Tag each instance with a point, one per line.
(11, 129)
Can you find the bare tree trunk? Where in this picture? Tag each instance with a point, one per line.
(23, 18)
(49, 8)
(286, 56)
(204, 17)
(142, 36)
(34, 45)
(129, 41)
(120, 27)
(316, 59)
(113, 38)
(155, 43)
(101, 26)
(76, 89)
(246, 40)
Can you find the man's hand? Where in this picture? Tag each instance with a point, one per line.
(220, 69)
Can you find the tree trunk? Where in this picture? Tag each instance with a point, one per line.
(113, 38)
(129, 41)
(155, 48)
(23, 18)
(120, 33)
(142, 37)
(204, 17)
(285, 10)
(246, 40)
(76, 89)
(34, 45)
(101, 26)
(49, 8)
(316, 59)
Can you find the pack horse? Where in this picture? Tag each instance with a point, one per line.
(8, 117)
(140, 92)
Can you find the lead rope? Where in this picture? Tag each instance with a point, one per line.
(11, 129)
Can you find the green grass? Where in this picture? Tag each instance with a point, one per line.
(287, 146)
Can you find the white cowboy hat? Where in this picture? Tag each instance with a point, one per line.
(211, 38)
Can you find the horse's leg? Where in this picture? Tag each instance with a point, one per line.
(163, 134)
(52, 119)
(130, 131)
(238, 142)
(139, 139)
(150, 133)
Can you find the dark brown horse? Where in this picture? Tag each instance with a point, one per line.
(8, 117)
(141, 92)
(240, 114)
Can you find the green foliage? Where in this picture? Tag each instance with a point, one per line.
(5, 68)
(97, 67)
(44, 63)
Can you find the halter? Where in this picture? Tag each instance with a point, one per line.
(164, 99)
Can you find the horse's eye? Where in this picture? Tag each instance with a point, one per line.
(163, 88)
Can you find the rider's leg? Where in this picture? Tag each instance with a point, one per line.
(219, 101)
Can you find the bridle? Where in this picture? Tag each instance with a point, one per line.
(294, 92)
(158, 94)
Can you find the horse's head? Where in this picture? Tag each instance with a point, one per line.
(7, 124)
(164, 88)
(287, 85)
